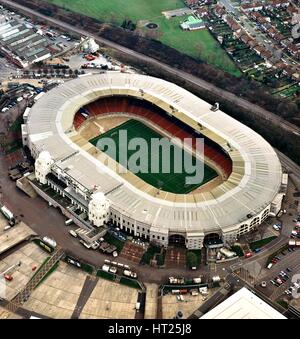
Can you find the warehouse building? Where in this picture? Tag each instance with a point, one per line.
(21, 44)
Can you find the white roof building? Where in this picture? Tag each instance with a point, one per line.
(243, 305)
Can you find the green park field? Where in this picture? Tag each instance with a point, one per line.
(171, 182)
(198, 44)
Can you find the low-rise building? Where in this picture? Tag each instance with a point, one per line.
(192, 24)
(21, 44)
(243, 305)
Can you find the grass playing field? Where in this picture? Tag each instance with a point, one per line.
(198, 44)
(171, 182)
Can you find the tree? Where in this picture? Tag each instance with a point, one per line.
(192, 260)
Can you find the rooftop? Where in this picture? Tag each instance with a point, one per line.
(243, 305)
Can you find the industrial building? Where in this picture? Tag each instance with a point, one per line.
(20, 44)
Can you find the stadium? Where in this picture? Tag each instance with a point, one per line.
(243, 179)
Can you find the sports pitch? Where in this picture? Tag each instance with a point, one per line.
(197, 44)
(170, 182)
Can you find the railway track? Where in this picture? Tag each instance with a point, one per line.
(234, 99)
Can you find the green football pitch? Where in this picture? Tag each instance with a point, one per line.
(170, 181)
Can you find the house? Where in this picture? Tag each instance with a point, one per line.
(292, 9)
(246, 8)
(259, 49)
(279, 37)
(277, 4)
(232, 23)
(266, 54)
(219, 11)
(191, 3)
(202, 11)
(272, 31)
(245, 38)
(252, 43)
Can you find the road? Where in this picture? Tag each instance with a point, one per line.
(48, 221)
(230, 7)
(222, 94)
(289, 164)
(292, 168)
(290, 260)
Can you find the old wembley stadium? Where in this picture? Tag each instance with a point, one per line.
(69, 174)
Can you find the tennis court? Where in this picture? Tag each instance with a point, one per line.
(172, 181)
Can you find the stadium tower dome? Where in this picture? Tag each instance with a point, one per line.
(98, 209)
(43, 166)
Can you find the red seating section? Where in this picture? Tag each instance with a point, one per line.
(79, 119)
(157, 116)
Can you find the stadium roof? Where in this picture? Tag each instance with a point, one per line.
(243, 305)
(253, 184)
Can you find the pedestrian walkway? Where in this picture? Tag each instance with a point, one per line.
(87, 289)
(24, 295)
(151, 301)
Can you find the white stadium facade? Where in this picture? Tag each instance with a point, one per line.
(69, 175)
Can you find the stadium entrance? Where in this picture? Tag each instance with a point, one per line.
(213, 240)
(177, 240)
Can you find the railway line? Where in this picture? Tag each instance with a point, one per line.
(225, 95)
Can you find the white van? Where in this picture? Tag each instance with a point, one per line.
(73, 233)
(105, 268)
(87, 245)
(69, 222)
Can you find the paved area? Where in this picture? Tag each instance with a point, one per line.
(7, 69)
(30, 256)
(170, 305)
(57, 296)
(14, 235)
(132, 252)
(151, 301)
(178, 12)
(111, 301)
(4, 314)
(175, 257)
(88, 287)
